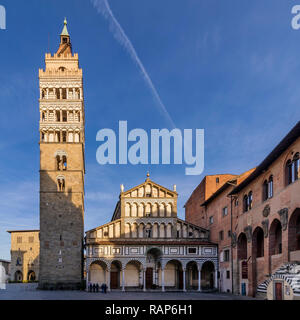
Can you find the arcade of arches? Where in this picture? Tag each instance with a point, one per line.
(267, 249)
(150, 275)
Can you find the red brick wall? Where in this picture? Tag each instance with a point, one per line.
(194, 213)
(283, 197)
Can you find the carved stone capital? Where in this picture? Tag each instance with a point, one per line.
(248, 232)
(283, 213)
(265, 226)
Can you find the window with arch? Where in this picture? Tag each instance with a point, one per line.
(250, 200)
(292, 169)
(148, 232)
(64, 163)
(268, 188)
(247, 201)
(61, 162)
(64, 136)
(61, 184)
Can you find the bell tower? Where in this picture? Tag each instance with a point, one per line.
(62, 168)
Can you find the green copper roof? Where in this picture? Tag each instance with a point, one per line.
(65, 30)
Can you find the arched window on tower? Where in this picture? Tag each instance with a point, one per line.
(64, 116)
(64, 136)
(64, 162)
(64, 93)
(61, 184)
(57, 93)
(58, 162)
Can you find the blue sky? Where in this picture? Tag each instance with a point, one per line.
(229, 67)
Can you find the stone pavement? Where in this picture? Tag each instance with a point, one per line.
(29, 292)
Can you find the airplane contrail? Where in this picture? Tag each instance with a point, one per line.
(103, 7)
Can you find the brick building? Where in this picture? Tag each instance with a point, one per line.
(260, 210)
(194, 212)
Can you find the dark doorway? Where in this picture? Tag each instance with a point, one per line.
(278, 291)
(149, 278)
(180, 280)
(114, 281)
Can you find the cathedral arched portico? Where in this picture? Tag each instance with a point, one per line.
(151, 251)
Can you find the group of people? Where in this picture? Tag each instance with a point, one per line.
(94, 287)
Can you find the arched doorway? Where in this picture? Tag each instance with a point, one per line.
(31, 276)
(115, 270)
(173, 275)
(257, 253)
(153, 268)
(208, 275)
(192, 275)
(97, 273)
(294, 235)
(242, 247)
(258, 243)
(275, 244)
(18, 276)
(133, 275)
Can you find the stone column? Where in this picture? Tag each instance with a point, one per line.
(108, 278)
(199, 280)
(163, 280)
(184, 280)
(73, 93)
(47, 94)
(144, 279)
(87, 281)
(216, 279)
(123, 279)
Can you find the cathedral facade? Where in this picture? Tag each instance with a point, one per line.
(146, 246)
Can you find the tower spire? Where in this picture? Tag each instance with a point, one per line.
(65, 46)
(65, 29)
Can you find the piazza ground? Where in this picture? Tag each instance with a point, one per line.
(29, 292)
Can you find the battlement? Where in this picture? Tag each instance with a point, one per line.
(67, 56)
(60, 73)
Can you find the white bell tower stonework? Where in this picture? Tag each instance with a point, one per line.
(62, 168)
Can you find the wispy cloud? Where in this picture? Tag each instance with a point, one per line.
(116, 29)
